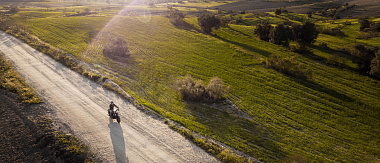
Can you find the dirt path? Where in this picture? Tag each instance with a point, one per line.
(81, 105)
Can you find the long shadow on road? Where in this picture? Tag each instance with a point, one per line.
(117, 137)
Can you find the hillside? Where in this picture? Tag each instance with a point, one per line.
(332, 117)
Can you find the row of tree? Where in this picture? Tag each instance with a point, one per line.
(306, 33)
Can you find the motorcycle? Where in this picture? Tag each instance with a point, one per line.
(115, 114)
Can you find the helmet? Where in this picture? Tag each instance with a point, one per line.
(111, 102)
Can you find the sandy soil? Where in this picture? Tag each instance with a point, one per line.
(79, 106)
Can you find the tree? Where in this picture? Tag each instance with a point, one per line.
(362, 56)
(116, 48)
(306, 33)
(364, 24)
(263, 30)
(281, 35)
(375, 65)
(309, 15)
(277, 11)
(176, 17)
(207, 22)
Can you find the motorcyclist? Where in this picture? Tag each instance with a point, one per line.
(111, 107)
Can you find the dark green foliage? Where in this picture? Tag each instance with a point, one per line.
(281, 35)
(207, 22)
(176, 17)
(375, 65)
(263, 30)
(116, 48)
(362, 56)
(364, 24)
(277, 11)
(332, 31)
(306, 33)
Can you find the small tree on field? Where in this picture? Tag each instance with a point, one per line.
(362, 56)
(364, 24)
(116, 48)
(263, 30)
(309, 15)
(277, 11)
(207, 22)
(306, 33)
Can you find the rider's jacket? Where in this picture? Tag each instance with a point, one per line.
(111, 106)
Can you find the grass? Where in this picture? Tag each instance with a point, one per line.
(73, 145)
(333, 117)
(12, 81)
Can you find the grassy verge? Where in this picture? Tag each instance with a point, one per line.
(12, 81)
(73, 145)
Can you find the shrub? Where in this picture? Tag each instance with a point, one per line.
(288, 66)
(263, 30)
(364, 24)
(362, 56)
(194, 90)
(375, 65)
(331, 31)
(216, 89)
(301, 49)
(116, 48)
(323, 45)
(207, 22)
(176, 18)
(277, 11)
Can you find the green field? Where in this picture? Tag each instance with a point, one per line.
(333, 117)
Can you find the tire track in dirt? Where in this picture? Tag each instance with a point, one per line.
(81, 105)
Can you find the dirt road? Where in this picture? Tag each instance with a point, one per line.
(81, 105)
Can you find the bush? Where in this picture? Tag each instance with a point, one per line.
(194, 90)
(323, 45)
(332, 31)
(301, 49)
(288, 66)
(216, 89)
(362, 56)
(176, 18)
(277, 11)
(375, 65)
(116, 48)
(207, 22)
(364, 24)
